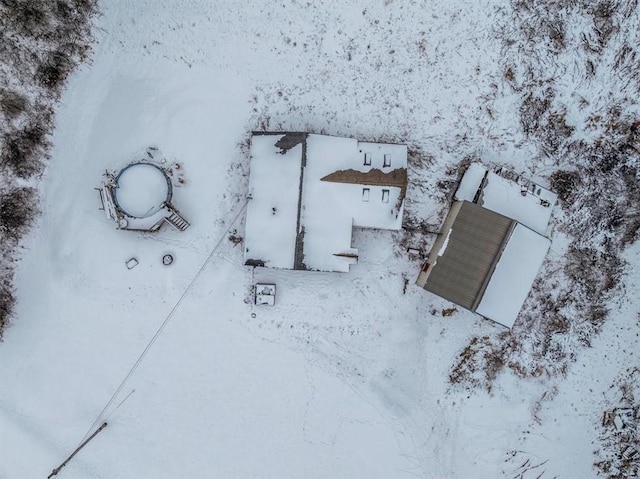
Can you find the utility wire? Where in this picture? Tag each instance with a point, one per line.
(162, 326)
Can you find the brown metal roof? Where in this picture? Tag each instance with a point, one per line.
(375, 176)
(478, 235)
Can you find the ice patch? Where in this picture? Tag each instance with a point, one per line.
(443, 248)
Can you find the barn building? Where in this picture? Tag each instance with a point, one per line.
(492, 244)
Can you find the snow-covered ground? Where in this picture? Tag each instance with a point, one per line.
(347, 375)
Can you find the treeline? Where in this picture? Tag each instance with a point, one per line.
(41, 43)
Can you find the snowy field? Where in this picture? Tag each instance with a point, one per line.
(348, 375)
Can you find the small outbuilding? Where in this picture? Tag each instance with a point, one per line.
(265, 294)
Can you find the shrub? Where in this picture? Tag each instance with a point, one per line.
(23, 151)
(564, 183)
(618, 455)
(17, 211)
(55, 69)
(7, 302)
(29, 17)
(12, 103)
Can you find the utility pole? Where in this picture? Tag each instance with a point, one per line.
(57, 469)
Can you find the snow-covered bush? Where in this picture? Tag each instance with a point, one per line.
(24, 151)
(7, 301)
(12, 104)
(17, 212)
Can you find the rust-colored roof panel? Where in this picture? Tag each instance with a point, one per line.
(476, 239)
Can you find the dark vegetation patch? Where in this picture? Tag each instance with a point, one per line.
(564, 184)
(12, 103)
(41, 43)
(597, 181)
(7, 299)
(235, 238)
(54, 69)
(25, 150)
(618, 455)
(17, 212)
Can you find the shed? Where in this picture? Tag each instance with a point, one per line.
(492, 244)
(484, 262)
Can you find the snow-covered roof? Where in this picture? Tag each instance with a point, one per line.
(514, 273)
(492, 243)
(272, 213)
(309, 191)
(509, 194)
(484, 262)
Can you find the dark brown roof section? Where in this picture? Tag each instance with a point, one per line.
(477, 239)
(289, 140)
(376, 177)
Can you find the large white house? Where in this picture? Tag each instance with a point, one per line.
(308, 191)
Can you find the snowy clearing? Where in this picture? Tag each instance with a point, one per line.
(357, 374)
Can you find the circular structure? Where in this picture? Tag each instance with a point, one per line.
(141, 189)
(167, 259)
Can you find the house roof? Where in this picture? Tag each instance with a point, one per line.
(465, 261)
(509, 194)
(484, 262)
(272, 213)
(513, 276)
(308, 191)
